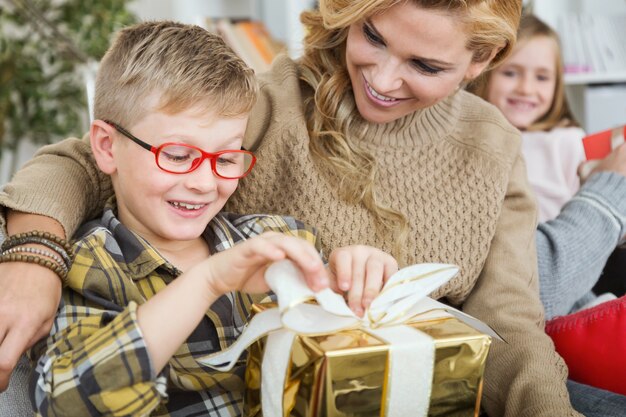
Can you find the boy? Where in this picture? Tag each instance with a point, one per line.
(158, 280)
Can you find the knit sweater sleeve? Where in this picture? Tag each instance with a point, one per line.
(62, 181)
(524, 376)
(574, 247)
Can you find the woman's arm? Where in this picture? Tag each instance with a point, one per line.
(29, 296)
(573, 248)
(524, 377)
(62, 182)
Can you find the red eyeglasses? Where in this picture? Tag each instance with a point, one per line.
(180, 158)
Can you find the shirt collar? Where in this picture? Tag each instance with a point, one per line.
(141, 258)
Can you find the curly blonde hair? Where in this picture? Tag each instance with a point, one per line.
(490, 25)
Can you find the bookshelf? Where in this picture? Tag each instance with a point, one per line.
(281, 19)
(594, 54)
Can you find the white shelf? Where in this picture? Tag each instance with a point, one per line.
(596, 78)
(595, 97)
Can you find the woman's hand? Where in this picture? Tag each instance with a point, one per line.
(29, 297)
(361, 271)
(242, 267)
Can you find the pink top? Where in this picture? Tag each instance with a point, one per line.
(552, 159)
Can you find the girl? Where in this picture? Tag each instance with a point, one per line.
(578, 229)
(528, 89)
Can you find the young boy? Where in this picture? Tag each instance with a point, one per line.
(159, 279)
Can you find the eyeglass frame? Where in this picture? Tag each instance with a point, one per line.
(211, 156)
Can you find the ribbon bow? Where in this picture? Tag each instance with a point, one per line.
(403, 297)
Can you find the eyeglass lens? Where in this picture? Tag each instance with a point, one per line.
(179, 158)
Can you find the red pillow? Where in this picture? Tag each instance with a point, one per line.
(593, 344)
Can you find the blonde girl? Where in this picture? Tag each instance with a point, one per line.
(528, 89)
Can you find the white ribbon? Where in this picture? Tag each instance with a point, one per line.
(411, 352)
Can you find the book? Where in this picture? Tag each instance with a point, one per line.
(251, 41)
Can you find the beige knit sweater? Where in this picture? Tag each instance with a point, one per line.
(454, 170)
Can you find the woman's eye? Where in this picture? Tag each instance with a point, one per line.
(423, 67)
(371, 36)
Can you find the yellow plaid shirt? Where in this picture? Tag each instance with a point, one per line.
(95, 360)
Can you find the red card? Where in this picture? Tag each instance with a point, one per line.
(599, 145)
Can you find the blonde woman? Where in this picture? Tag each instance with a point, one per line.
(370, 138)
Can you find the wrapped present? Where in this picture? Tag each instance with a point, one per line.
(408, 356)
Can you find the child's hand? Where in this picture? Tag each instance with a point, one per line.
(361, 271)
(242, 267)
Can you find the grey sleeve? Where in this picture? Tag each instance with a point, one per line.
(573, 248)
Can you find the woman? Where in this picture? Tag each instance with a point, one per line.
(370, 138)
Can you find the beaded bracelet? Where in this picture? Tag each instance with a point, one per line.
(37, 251)
(24, 238)
(16, 257)
(44, 235)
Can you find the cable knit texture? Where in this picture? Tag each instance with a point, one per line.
(454, 169)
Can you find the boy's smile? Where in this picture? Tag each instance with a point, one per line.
(172, 209)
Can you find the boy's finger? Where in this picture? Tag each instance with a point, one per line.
(374, 274)
(391, 267)
(304, 255)
(356, 291)
(341, 263)
(333, 280)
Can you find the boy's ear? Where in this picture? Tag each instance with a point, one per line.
(101, 138)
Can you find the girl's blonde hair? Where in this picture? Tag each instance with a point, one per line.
(559, 114)
(490, 25)
(185, 66)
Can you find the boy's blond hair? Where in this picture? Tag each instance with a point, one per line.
(184, 66)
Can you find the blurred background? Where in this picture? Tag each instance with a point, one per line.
(49, 50)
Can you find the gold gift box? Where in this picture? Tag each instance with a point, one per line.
(345, 374)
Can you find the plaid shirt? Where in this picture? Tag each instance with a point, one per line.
(95, 360)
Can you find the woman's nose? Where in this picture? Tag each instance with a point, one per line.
(387, 77)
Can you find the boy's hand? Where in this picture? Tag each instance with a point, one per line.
(361, 271)
(242, 267)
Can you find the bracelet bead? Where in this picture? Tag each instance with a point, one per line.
(37, 251)
(22, 239)
(54, 267)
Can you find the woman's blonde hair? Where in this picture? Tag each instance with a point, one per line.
(184, 65)
(559, 113)
(491, 26)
